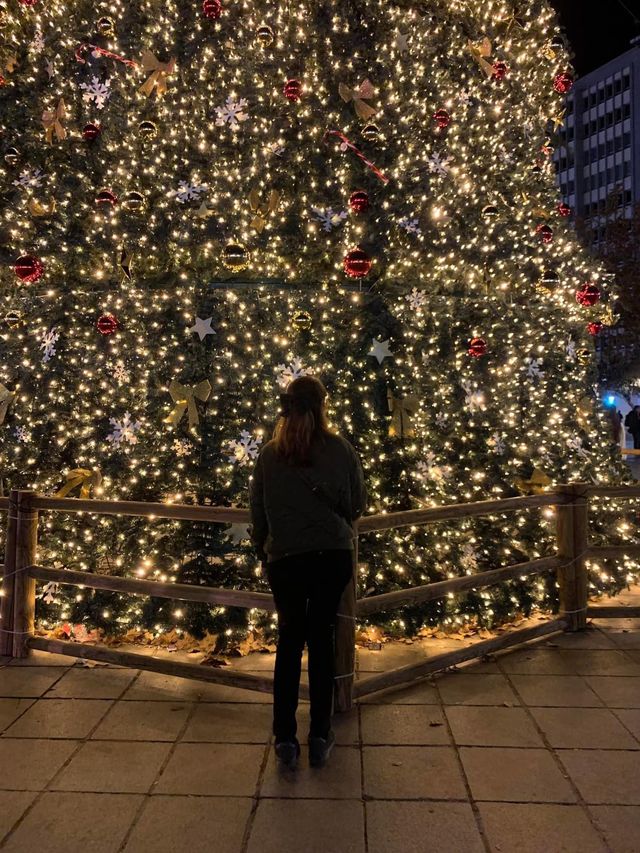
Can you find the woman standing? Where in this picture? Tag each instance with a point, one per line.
(306, 492)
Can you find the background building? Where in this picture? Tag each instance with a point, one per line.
(598, 160)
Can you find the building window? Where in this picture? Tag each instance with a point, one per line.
(626, 80)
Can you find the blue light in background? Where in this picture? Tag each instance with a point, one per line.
(610, 400)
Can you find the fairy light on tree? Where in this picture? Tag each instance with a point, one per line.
(200, 194)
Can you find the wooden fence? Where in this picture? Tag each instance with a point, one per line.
(21, 571)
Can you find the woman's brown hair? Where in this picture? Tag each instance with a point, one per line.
(303, 420)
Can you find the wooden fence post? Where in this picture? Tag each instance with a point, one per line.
(345, 651)
(25, 586)
(8, 579)
(573, 541)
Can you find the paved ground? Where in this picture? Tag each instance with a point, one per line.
(535, 751)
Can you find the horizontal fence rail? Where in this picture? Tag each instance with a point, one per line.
(156, 589)
(571, 503)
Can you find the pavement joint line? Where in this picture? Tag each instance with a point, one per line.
(625, 726)
(255, 800)
(556, 759)
(147, 795)
(470, 798)
(358, 710)
(80, 743)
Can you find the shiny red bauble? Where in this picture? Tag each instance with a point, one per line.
(27, 2)
(442, 118)
(545, 233)
(478, 347)
(564, 209)
(91, 132)
(595, 328)
(3, 81)
(293, 90)
(107, 324)
(28, 268)
(563, 83)
(212, 9)
(357, 263)
(106, 197)
(359, 201)
(500, 70)
(588, 295)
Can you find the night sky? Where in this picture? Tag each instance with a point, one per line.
(598, 37)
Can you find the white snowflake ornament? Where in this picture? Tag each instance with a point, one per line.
(439, 164)
(97, 91)
(49, 591)
(417, 299)
(37, 44)
(474, 398)
(534, 368)
(496, 443)
(288, 372)
(119, 372)
(181, 447)
(469, 558)
(21, 434)
(124, 431)
(232, 113)
(48, 344)
(29, 179)
(442, 420)
(431, 470)
(571, 351)
(189, 192)
(244, 451)
(328, 217)
(412, 226)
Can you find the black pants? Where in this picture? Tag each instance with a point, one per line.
(636, 440)
(307, 589)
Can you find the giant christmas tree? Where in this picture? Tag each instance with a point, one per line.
(204, 200)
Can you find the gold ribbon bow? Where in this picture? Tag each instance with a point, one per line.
(52, 122)
(158, 73)
(402, 410)
(481, 52)
(37, 208)
(6, 398)
(536, 485)
(262, 209)
(184, 398)
(85, 478)
(365, 90)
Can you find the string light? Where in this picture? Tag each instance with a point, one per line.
(195, 232)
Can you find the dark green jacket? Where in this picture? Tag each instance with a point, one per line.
(294, 509)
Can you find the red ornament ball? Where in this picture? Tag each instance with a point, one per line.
(500, 70)
(91, 132)
(293, 90)
(212, 9)
(107, 324)
(442, 118)
(588, 295)
(106, 197)
(27, 2)
(357, 263)
(563, 83)
(564, 209)
(359, 201)
(478, 347)
(595, 328)
(3, 81)
(28, 268)
(545, 233)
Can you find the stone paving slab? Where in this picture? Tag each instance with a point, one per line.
(194, 824)
(531, 751)
(61, 823)
(420, 827)
(521, 827)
